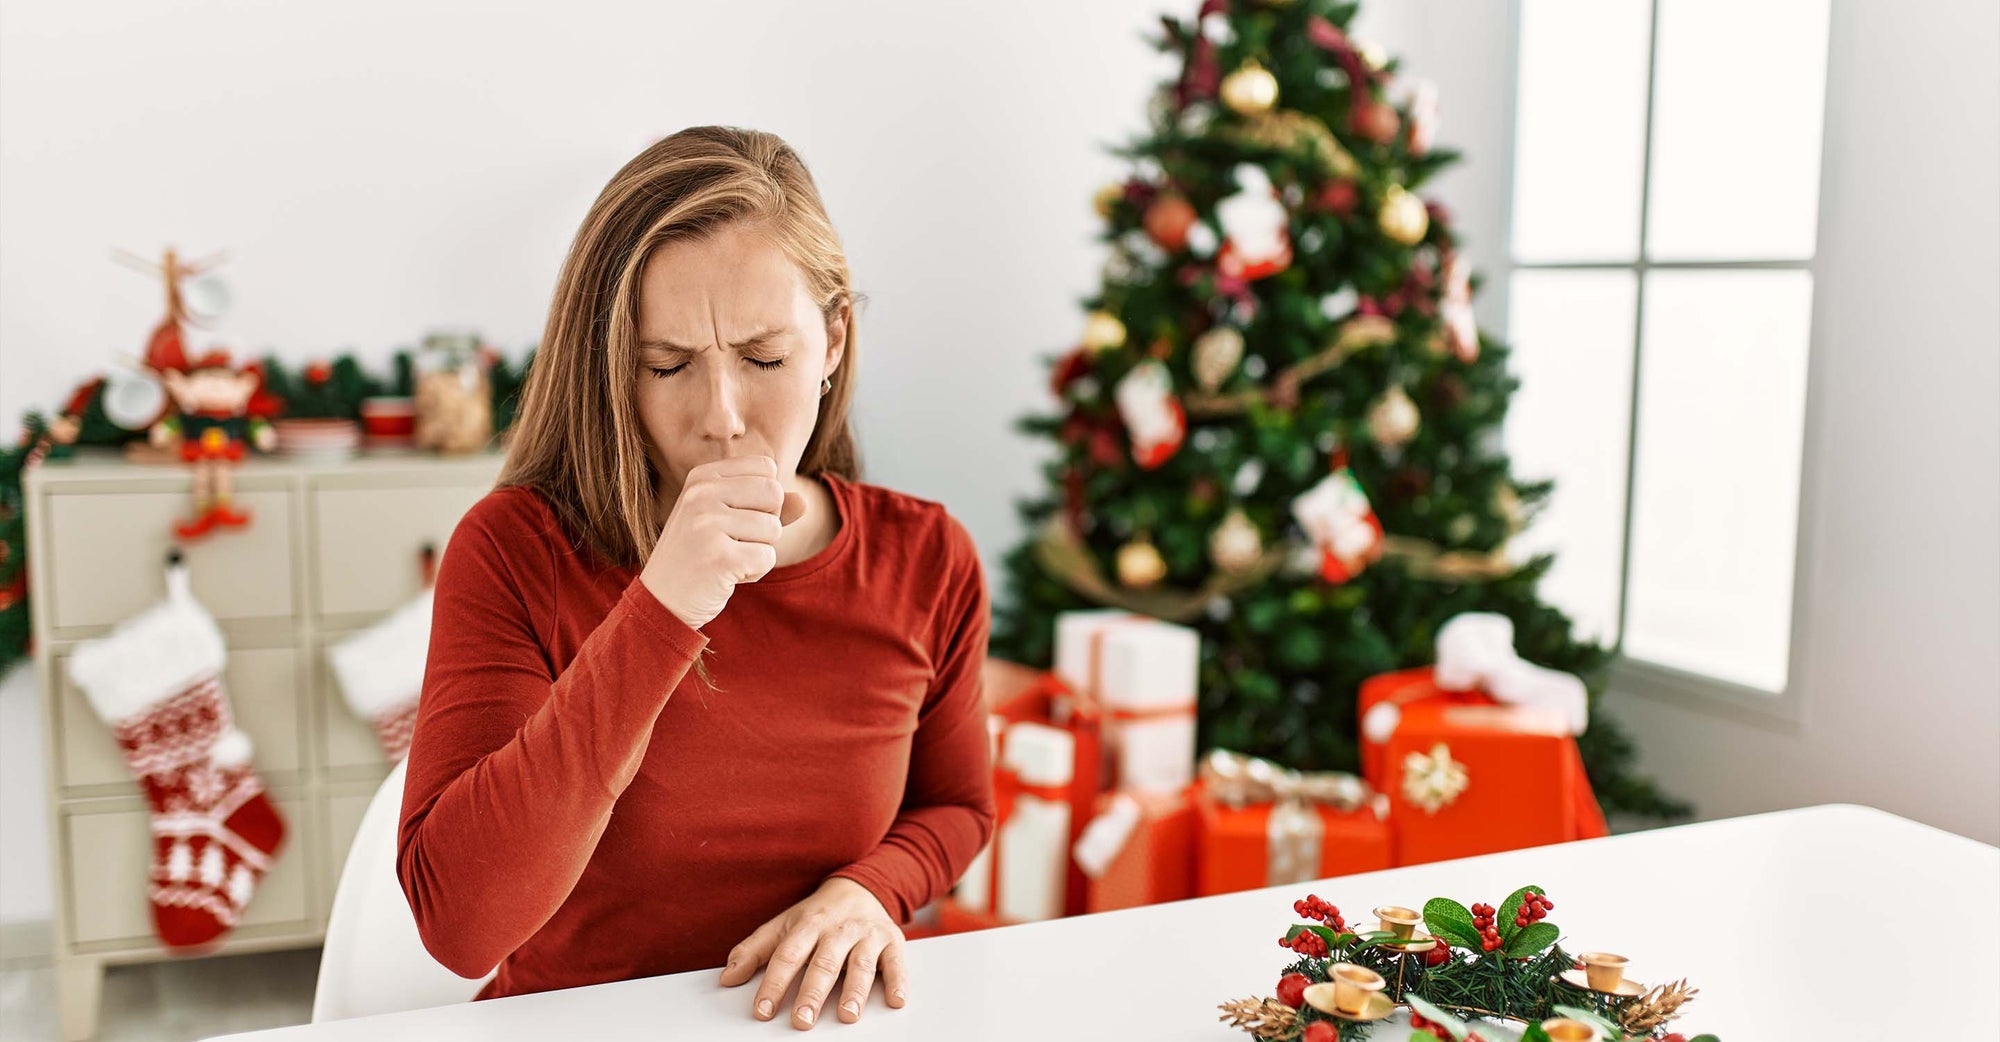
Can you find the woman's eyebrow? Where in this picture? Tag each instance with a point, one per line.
(753, 341)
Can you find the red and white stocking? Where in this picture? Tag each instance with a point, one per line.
(1336, 515)
(156, 680)
(381, 673)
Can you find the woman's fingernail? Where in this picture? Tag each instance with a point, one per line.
(806, 1014)
(764, 1008)
(851, 1008)
(899, 995)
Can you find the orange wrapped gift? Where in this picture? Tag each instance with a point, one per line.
(1139, 850)
(1258, 824)
(1466, 775)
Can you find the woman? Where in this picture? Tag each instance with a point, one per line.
(697, 696)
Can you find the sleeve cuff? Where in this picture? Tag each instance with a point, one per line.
(640, 604)
(892, 902)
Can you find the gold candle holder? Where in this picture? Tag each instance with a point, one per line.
(1399, 920)
(1604, 970)
(1563, 1029)
(1353, 986)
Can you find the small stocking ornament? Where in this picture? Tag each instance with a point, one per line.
(1255, 244)
(1152, 415)
(381, 673)
(156, 680)
(1338, 518)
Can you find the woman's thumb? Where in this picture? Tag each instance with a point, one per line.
(794, 508)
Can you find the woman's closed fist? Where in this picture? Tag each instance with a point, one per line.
(723, 530)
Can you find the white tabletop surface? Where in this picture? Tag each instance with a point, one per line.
(1761, 913)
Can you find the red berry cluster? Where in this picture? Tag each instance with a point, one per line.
(1421, 1023)
(1312, 906)
(1482, 920)
(1307, 943)
(1292, 989)
(1535, 907)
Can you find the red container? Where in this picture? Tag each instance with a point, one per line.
(389, 417)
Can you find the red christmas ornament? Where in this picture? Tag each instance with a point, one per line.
(1292, 989)
(1320, 1031)
(1168, 220)
(318, 373)
(1339, 198)
(1068, 369)
(1375, 120)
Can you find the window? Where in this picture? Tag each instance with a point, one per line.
(1665, 210)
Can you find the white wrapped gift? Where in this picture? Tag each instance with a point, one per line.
(1032, 779)
(1141, 673)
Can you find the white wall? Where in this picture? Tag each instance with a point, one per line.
(375, 168)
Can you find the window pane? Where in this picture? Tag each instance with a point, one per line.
(1722, 394)
(1570, 421)
(1736, 129)
(1580, 130)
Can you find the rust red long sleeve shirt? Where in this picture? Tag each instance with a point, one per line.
(581, 807)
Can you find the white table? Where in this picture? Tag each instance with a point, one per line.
(1754, 911)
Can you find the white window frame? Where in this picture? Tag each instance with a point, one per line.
(1780, 711)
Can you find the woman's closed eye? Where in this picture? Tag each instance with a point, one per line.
(657, 371)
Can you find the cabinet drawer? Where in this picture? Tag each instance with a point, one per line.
(263, 689)
(368, 542)
(108, 556)
(109, 855)
(343, 819)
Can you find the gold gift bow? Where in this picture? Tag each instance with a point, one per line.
(1295, 832)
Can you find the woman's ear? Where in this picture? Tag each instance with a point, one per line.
(836, 335)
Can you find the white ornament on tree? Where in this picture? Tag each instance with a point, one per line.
(1423, 116)
(1460, 328)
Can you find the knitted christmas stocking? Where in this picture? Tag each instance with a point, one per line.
(156, 681)
(381, 673)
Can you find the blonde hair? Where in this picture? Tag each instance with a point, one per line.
(577, 438)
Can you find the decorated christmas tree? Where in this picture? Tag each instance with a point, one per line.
(1281, 425)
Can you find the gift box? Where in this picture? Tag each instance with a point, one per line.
(1139, 850)
(1258, 824)
(1038, 765)
(1141, 674)
(1467, 775)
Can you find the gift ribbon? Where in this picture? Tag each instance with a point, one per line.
(1294, 831)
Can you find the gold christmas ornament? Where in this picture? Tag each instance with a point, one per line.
(1403, 217)
(1102, 331)
(1107, 197)
(1393, 419)
(1250, 90)
(1235, 544)
(1140, 565)
(1216, 355)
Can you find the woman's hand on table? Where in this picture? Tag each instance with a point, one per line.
(841, 926)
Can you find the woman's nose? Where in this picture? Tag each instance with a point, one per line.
(721, 407)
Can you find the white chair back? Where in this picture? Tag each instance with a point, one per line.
(374, 960)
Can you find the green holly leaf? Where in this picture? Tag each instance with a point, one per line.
(1332, 937)
(1531, 939)
(1452, 921)
(1535, 1034)
(1509, 908)
(1437, 1016)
